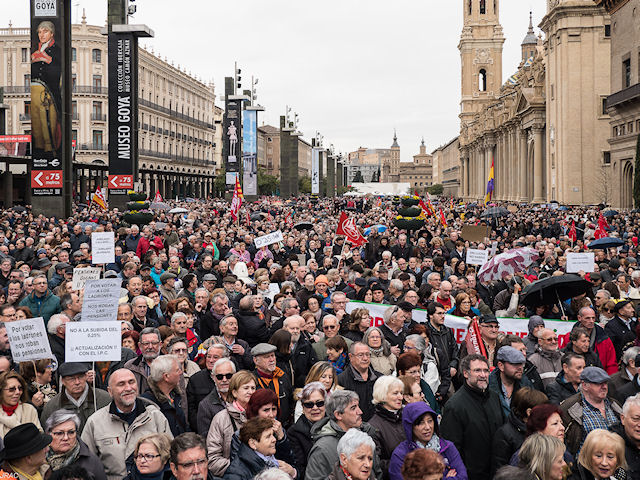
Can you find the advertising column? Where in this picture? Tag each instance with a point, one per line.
(232, 133)
(250, 155)
(50, 107)
(315, 171)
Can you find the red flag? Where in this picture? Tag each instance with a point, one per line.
(98, 199)
(158, 197)
(572, 232)
(347, 227)
(288, 219)
(236, 202)
(443, 220)
(601, 231)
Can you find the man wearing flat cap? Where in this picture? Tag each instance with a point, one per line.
(75, 394)
(167, 286)
(589, 409)
(272, 377)
(25, 452)
(508, 378)
(622, 328)
(489, 333)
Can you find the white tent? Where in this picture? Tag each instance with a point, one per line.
(380, 189)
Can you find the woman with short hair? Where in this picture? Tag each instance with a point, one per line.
(423, 464)
(543, 456)
(38, 375)
(388, 394)
(382, 360)
(356, 450)
(360, 322)
(601, 457)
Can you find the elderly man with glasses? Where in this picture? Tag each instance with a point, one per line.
(548, 359)
(42, 302)
(150, 343)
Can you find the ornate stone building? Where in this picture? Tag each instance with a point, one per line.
(446, 167)
(545, 129)
(623, 105)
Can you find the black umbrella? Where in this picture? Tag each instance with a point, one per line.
(554, 289)
(606, 242)
(303, 226)
(257, 216)
(19, 209)
(610, 213)
(495, 212)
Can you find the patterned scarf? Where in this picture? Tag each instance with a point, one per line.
(59, 460)
(340, 363)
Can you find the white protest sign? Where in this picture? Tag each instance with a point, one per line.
(93, 341)
(81, 275)
(100, 302)
(103, 247)
(28, 340)
(268, 239)
(477, 257)
(274, 289)
(580, 261)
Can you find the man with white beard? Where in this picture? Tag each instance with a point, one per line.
(302, 354)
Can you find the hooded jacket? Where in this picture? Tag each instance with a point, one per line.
(410, 415)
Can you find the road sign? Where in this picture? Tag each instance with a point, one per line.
(120, 181)
(46, 178)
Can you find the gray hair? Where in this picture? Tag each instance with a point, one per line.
(382, 386)
(419, 342)
(220, 296)
(286, 303)
(126, 322)
(149, 330)
(397, 284)
(221, 362)
(354, 439)
(310, 388)
(272, 474)
(338, 402)
(61, 416)
(605, 293)
(337, 293)
(630, 354)
(55, 321)
(225, 350)
(634, 400)
(137, 297)
(176, 316)
(386, 347)
(201, 289)
(161, 365)
(226, 318)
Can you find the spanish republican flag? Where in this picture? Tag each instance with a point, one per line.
(99, 199)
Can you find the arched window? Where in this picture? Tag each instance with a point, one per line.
(96, 55)
(482, 80)
(483, 7)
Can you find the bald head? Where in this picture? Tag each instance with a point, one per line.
(547, 339)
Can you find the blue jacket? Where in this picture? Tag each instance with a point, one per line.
(411, 413)
(42, 306)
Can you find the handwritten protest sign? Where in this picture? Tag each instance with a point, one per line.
(103, 248)
(273, 237)
(81, 275)
(100, 302)
(477, 257)
(28, 340)
(580, 261)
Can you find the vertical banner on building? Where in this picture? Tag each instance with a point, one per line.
(250, 153)
(315, 171)
(47, 71)
(123, 114)
(232, 132)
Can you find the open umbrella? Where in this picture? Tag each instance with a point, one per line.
(495, 212)
(507, 263)
(178, 210)
(303, 226)
(554, 289)
(379, 229)
(257, 216)
(93, 225)
(606, 242)
(19, 209)
(159, 206)
(610, 213)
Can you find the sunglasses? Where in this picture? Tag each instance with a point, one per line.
(226, 376)
(318, 403)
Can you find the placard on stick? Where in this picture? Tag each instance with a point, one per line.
(103, 248)
(475, 233)
(100, 302)
(477, 257)
(580, 261)
(28, 340)
(93, 341)
(81, 275)
(270, 238)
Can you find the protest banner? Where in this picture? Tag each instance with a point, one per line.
(28, 340)
(103, 248)
(93, 341)
(508, 326)
(270, 238)
(100, 302)
(475, 233)
(81, 275)
(477, 257)
(580, 261)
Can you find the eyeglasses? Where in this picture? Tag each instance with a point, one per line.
(179, 350)
(317, 403)
(145, 456)
(14, 389)
(551, 339)
(226, 376)
(64, 433)
(608, 310)
(149, 344)
(492, 326)
(329, 327)
(362, 355)
(195, 463)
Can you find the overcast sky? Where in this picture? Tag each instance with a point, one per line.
(353, 69)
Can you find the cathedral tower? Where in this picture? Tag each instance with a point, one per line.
(481, 56)
(530, 41)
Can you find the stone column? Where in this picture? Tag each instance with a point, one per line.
(7, 185)
(538, 167)
(84, 185)
(524, 167)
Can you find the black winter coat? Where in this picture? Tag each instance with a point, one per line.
(351, 380)
(251, 328)
(246, 465)
(470, 420)
(172, 410)
(299, 435)
(302, 359)
(630, 389)
(619, 334)
(207, 409)
(560, 390)
(199, 386)
(444, 340)
(632, 454)
(507, 441)
(389, 434)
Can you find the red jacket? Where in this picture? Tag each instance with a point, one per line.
(144, 245)
(604, 349)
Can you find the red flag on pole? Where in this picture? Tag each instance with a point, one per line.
(443, 220)
(347, 227)
(601, 231)
(572, 232)
(236, 202)
(158, 197)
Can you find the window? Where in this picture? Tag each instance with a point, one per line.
(97, 81)
(96, 55)
(97, 138)
(626, 73)
(483, 7)
(606, 158)
(74, 81)
(74, 109)
(97, 109)
(25, 55)
(27, 107)
(607, 30)
(74, 55)
(482, 80)
(74, 137)
(27, 80)
(604, 105)
(630, 127)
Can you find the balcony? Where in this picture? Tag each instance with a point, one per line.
(94, 147)
(629, 94)
(174, 114)
(98, 117)
(90, 90)
(177, 158)
(17, 90)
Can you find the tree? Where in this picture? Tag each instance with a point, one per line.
(267, 184)
(358, 177)
(636, 177)
(304, 184)
(603, 185)
(219, 185)
(436, 189)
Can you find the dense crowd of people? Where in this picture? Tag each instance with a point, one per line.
(240, 362)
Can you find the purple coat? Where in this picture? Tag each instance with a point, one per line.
(411, 413)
